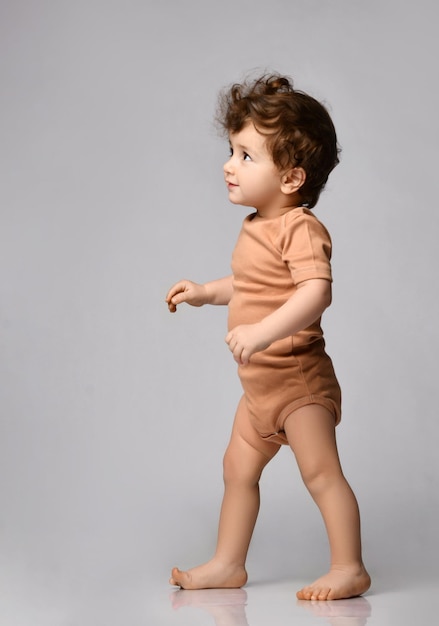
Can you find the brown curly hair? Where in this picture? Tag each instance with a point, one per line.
(298, 128)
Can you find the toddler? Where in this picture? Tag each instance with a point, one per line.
(283, 147)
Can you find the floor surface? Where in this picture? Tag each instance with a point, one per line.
(276, 605)
(139, 602)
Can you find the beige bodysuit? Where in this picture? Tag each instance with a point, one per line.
(271, 257)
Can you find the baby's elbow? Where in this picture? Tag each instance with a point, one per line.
(318, 291)
(325, 294)
(328, 296)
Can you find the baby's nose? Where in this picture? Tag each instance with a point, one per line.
(227, 167)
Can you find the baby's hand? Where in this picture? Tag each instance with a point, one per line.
(186, 291)
(244, 341)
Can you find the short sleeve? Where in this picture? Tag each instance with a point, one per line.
(305, 246)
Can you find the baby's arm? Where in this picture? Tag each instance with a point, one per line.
(214, 292)
(302, 309)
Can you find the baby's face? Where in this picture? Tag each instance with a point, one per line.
(251, 176)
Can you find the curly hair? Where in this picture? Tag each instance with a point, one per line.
(299, 130)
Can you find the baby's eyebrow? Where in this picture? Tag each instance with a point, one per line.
(240, 146)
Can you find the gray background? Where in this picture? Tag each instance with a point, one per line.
(114, 414)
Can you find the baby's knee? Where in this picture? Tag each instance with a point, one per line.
(235, 472)
(319, 479)
(232, 472)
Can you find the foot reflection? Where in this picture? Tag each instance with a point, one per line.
(226, 606)
(352, 612)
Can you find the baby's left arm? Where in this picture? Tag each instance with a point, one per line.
(300, 311)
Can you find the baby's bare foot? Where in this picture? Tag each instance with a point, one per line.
(211, 575)
(338, 584)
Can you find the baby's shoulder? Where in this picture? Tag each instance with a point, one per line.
(297, 215)
(302, 223)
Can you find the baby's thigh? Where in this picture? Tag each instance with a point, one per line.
(311, 434)
(247, 449)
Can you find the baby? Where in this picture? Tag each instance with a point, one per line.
(283, 146)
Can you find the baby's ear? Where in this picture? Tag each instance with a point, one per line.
(292, 180)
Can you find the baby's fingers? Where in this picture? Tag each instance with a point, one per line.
(175, 296)
(238, 351)
(175, 299)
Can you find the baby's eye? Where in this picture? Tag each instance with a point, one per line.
(246, 157)
(230, 151)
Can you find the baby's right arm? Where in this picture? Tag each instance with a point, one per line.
(215, 292)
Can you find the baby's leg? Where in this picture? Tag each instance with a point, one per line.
(245, 458)
(311, 435)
